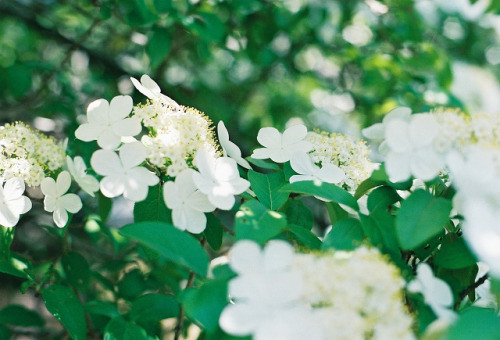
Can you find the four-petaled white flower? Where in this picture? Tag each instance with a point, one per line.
(57, 201)
(150, 89)
(281, 147)
(437, 294)
(107, 122)
(188, 204)
(77, 169)
(302, 164)
(411, 149)
(122, 174)
(218, 178)
(12, 202)
(229, 148)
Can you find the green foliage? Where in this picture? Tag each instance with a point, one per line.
(267, 188)
(346, 234)
(17, 315)
(256, 222)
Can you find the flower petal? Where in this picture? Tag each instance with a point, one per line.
(423, 129)
(98, 112)
(240, 319)
(20, 205)
(171, 195)
(330, 173)
(142, 89)
(89, 132)
(106, 163)
(63, 183)
(13, 188)
(397, 166)
(120, 107)
(302, 164)
(127, 127)
(397, 135)
(135, 190)
(48, 187)
(60, 217)
(132, 154)
(7, 218)
(112, 186)
(151, 85)
(245, 257)
(269, 137)
(70, 202)
(108, 139)
(199, 201)
(294, 134)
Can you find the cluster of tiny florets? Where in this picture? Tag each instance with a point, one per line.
(28, 154)
(357, 294)
(175, 135)
(348, 153)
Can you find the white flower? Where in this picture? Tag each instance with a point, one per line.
(218, 178)
(410, 148)
(280, 147)
(230, 149)
(12, 202)
(376, 132)
(107, 122)
(437, 294)
(308, 171)
(123, 175)
(57, 201)
(77, 169)
(188, 204)
(150, 89)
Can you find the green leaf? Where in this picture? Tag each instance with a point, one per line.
(346, 234)
(255, 222)
(23, 77)
(132, 284)
(208, 26)
(104, 308)
(6, 238)
(454, 254)
(119, 329)
(17, 315)
(5, 333)
(304, 236)
(154, 307)
(335, 212)
(421, 217)
(204, 304)
(297, 213)
(266, 187)
(77, 270)
(366, 185)
(137, 12)
(63, 303)
(327, 191)
(475, 323)
(158, 46)
(105, 205)
(263, 164)
(382, 198)
(171, 243)
(153, 208)
(214, 232)
(15, 267)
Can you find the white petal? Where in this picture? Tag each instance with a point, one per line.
(397, 135)
(199, 201)
(143, 176)
(7, 217)
(205, 185)
(401, 112)
(375, 132)
(112, 186)
(98, 112)
(222, 202)
(63, 183)
(294, 134)
(120, 107)
(302, 164)
(230, 149)
(184, 181)
(48, 187)
(299, 178)
(330, 173)
(397, 166)
(277, 255)
(71, 203)
(245, 257)
(127, 127)
(60, 217)
(132, 155)
(261, 153)
(426, 165)
(89, 132)
(222, 132)
(171, 195)
(269, 137)
(108, 139)
(240, 319)
(106, 163)
(50, 203)
(13, 188)
(135, 190)
(150, 84)
(189, 219)
(205, 163)
(423, 129)
(301, 146)
(141, 88)
(89, 184)
(20, 205)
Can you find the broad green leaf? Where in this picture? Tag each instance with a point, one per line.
(208, 25)
(153, 208)
(158, 46)
(263, 164)
(255, 222)
(132, 284)
(421, 217)
(382, 198)
(214, 232)
(120, 329)
(324, 190)
(171, 243)
(6, 238)
(154, 307)
(366, 185)
(63, 303)
(204, 304)
(105, 205)
(335, 212)
(15, 267)
(475, 323)
(104, 308)
(17, 315)
(454, 254)
(137, 13)
(297, 213)
(266, 187)
(304, 236)
(77, 270)
(346, 234)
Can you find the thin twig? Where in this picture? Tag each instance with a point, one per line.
(469, 289)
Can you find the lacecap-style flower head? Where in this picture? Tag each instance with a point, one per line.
(108, 122)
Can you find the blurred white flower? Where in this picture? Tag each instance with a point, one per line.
(219, 179)
(188, 204)
(122, 174)
(411, 150)
(12, 202)
(77, 169)
(57, 201)
(150, 89)
(281, 147)
(308, 171)
(107, 122)
(229, 148)
(437, 294)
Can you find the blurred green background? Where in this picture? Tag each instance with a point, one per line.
(336, 64)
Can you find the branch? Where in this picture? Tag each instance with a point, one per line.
(469, 289)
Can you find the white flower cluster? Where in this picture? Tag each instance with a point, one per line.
(280, 294)
(28, 154)
(176, 133)
(345, 152)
